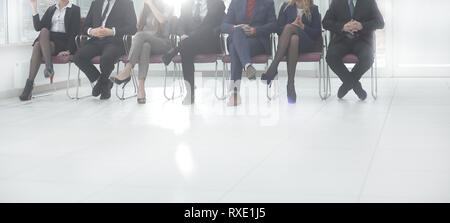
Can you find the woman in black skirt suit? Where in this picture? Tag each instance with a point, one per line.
(58, 28)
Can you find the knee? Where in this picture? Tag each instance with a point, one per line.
(295, 39)
(139, 35)
(238, 31)
(289, 28)
(78, 57)
(366, 58)
(146, 47)
(37, 45)
(45, 31)
(332, 56)
(107, 60)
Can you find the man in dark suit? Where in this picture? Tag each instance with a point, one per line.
(199, 29)
(352, 24)
(106, 23)
(249, 24)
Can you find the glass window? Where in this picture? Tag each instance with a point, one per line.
(86, 4)
(2, 21)
(28, 34)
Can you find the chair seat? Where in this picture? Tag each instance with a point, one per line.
(260, 59)
(60, 59)
(350, 58)
(96, 59)
(202, 58)
(153, 59)
(307, 57)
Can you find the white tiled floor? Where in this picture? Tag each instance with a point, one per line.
(394, 149)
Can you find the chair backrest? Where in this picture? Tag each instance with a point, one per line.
(319, 43)
(82, 21)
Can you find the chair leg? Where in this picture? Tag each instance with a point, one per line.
(77, 96)
(49, 93)
(324, 82)
(68, 85)
(374, 82)
(133, 82)
(223, 95)
(176, 77)
(275, 85)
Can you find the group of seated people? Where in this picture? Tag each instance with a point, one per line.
(248, 23)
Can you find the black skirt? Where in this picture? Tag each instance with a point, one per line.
(61, 41)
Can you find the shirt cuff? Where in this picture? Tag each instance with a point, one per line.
(89, 32)
(114, 31)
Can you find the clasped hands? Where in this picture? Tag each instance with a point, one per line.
(101, 32)
(352, 27)
(298, 22)
(248, 30)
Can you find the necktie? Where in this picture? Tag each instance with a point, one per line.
(352, 12)
(197, 17)
(105, 12)
(352, 8)
(250, 8)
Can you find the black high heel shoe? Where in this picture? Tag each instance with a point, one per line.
(266, 79)
(119, 82)
(291, 95)
(49, 72)
(26, 94)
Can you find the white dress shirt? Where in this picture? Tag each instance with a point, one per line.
(203, 8)
(58, 25)
(111, 5)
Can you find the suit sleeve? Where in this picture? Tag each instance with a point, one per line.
(214, 20)
(314, 29)
(271, 22)
(38, 23)
(282, 20)
(89, 19)
(330, 20)
(375, 22)
(129, 27)
(74, 29)
(229, 19)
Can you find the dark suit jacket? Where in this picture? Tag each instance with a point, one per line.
(122, 17)
(289, 15)
(264, 19)
(71, 23)
(210, 24)
(366, 12)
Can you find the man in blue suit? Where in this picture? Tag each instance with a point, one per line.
(249, 24)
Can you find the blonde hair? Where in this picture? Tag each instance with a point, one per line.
(307, 4)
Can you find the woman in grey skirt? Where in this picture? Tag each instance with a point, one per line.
(152, 38)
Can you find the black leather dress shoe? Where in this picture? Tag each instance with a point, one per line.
(97, 89)
(106, 90)
(343, 90)
(359, 91)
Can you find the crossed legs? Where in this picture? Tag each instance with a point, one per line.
(350, 79)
